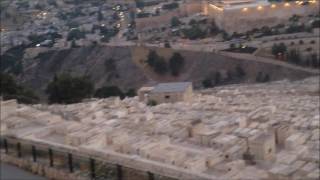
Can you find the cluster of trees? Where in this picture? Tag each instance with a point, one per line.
(112, 91)
(10, 89)
(216, 78)
(194, 32)
(279, 49)
(66, 89)
(160, 65)
(170, 6)
(75, 34)
(294, 55)
(175, 21)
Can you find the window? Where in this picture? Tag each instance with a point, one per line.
(167, 97)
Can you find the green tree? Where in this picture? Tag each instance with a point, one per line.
(152, 103)
(160, 66)
(157, 63)
(195, 32)
(100, 16)
(294, 56)
(176, 63)
(66, 89)
(279, 49)
(217, 78)
(75, 34)
(131, 93)
(167, 44)
(109, 91)
(152, 58)
(9, 89)
(315, 61)
(175, 21)
(73, 44)
(207, 83)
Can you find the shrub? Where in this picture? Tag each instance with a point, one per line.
(175, 22)
(279, 49)
(109, 91)
(176, 63)
(207, 83)
(67, 89)
(9, 89)
(152, 103)
(156, 62)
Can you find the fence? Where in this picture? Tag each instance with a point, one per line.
(81, 166)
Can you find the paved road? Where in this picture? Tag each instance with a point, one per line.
(9, 172)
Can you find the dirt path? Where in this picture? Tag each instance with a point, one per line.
(250, 57)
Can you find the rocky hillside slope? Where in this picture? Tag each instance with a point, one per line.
(125, 67)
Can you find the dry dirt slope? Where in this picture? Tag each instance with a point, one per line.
(130, 72)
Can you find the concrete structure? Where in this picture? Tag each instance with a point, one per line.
(167, 92)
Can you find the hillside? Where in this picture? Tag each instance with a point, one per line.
(125, 67)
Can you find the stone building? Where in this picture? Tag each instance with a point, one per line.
(167, 92)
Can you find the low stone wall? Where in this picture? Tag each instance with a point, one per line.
(40, 169)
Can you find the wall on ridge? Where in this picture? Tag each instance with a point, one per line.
(238, 20)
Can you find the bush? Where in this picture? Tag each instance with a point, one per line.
(156, 62)
(9, 89)
(167, 44)
(75, 34)
(315, 61)
(131, 93)
(67, 89)
(160, 66)
(175, 22)
(109, 91)
(152, 103)
(176, 63)
(170, 6)
(279, 49)
(217, 78)
(294, 56)
(193, 33)
(207, 83)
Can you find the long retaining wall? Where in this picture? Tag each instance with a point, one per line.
(247, 18)
(57, 162)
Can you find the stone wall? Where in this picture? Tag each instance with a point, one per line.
(241, 20)
(165, 18)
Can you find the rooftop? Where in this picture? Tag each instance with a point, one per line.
(171, 87)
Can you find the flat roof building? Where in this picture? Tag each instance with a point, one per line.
(167, 92)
